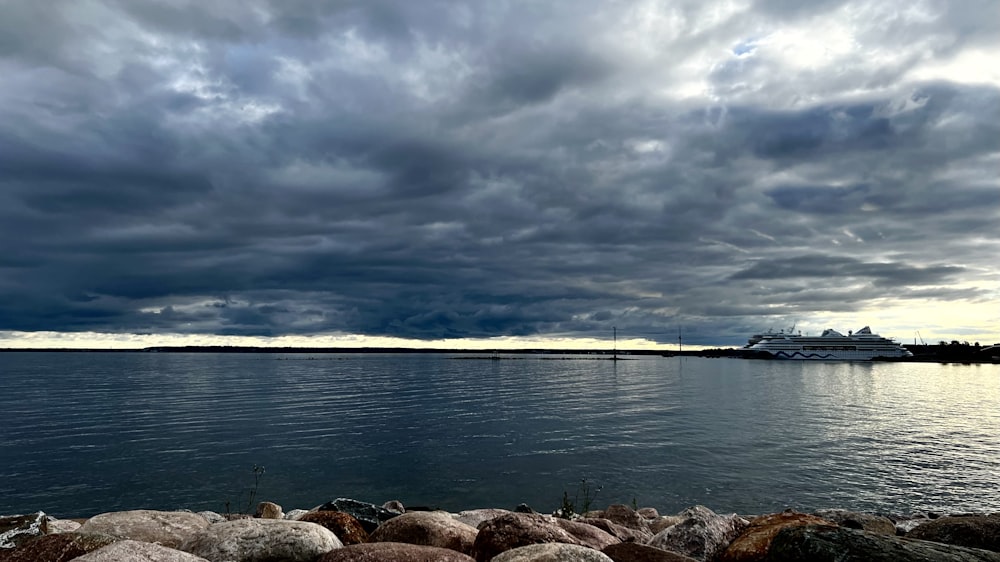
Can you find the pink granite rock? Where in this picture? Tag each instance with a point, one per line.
(429, 528)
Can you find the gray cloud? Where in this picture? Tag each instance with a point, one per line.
(455, 170)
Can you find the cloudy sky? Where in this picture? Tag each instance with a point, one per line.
(449, 172)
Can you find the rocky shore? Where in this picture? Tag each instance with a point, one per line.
(346, 530)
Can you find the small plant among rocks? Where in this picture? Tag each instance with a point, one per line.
(258, 472)
(569, 507)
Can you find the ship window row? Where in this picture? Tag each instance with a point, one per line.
(830, 347)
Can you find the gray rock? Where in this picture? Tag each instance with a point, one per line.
(394, 506)
(552, 552)
(57, 526)
(135, 551)
(212, 517)
(15, 529)
(906, 525)
(428, 528)
(839, 544)
(856, 520)
(393, 552)
(475, 517)
(168, 528)
(295, 514)
(262, 540)
(700, 534)
(982, 531)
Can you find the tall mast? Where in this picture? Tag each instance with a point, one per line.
(615, 357)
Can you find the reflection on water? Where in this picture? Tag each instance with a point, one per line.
(84, 433)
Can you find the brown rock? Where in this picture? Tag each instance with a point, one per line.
(625, 516)
(269, 510)
(621, 533)
(824, 543)
(648, 512)
(56, 548)
(393, 552)
(16, 529)
(981, 531)
(634, 552)
(135, 551)
(512, 530)
(662, 522)
(428, 528)
(857, 520)
(754, 543)
(348, 529)
(588, 535)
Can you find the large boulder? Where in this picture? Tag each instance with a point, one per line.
(512, 530)
(981, 531)
(135, 551)
(348, 529)
(552, 552)
(167, 528)
(394, 552)
(370, 515)
(262, 540)
(701, 533)
(839, 544)
(857, 520)
(15, 529)
(634, 552)
(754, 543)
(428, 528)
(56, 548)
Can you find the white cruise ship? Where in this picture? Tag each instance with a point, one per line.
(862, 345)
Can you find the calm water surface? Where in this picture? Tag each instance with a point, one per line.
(83, 433)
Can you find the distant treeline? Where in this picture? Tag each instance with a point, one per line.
(953, 352)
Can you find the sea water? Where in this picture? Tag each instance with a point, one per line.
(84, 433)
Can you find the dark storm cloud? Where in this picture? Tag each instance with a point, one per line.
(449, 170)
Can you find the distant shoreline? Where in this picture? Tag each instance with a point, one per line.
(963, 354)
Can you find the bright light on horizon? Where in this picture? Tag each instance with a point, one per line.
(95, 340)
